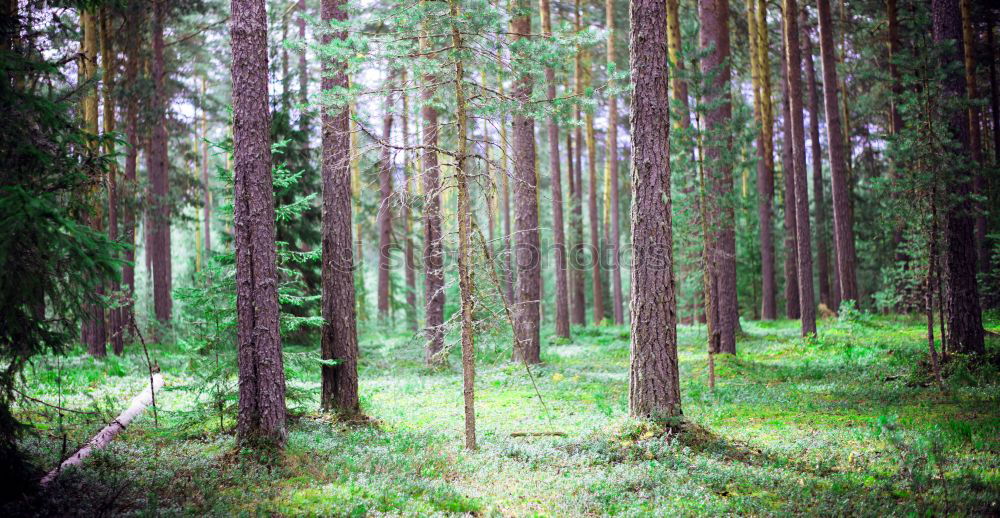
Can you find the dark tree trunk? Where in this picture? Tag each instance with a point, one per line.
(385, 212)
(994, 90)
(819, 207)
(339, 332)
(714, 17)
(410, 269)
(843, 227)
(792, 309)
(159, 178)
(261, 417)
(526, 242)
(765, 165)
(803, 236)
(578, 308)
(614, 232)
(433, 253)
(133, 61)
(558, 226)
(965, 321)
(975, 134)
(116, 331)
(654, 386)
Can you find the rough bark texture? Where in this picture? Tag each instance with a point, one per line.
(965, 324)
(93, 330)
(765, 155)
(816, 156)
(116, 324)
(433, 254)
(159, 179)
(558, 226)
(654, 385)
(714, 17)
(975, 133)
(803, 242)
(261, 416)
(385, 212)
(792, 309)
(527, 248)
(339, 340)
(614, 232)
(843, 227)
(133, 60)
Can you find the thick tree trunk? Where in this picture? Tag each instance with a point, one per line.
(159, 177)
(965, 324)
(614, 233)
(116, 331)
(714, 17)
(261, 416)
(433, 253)
(793, 70)
(526, 241)
(93, 330)
(792, 308)
(975, 133)
(339, 339)
(819, 207)
(558, 227)
(843, 227)
(765, 155)
(597, 286)
(385, 210)
(654, 386)
(133, 59)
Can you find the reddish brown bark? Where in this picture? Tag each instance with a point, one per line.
(792, 309)
(527, 248)
(433, 253)
(819, 207)
(578, 308)
(614, 229)
(843, 227)
(555, 174)
(133, 60)
(765, 166)
(654, 386)
(714, 17)
(159, 177)
(385, 212)
(116, 325)
(803, 242)
(261, 416)
(965, 323)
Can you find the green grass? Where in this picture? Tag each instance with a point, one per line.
(847, 424)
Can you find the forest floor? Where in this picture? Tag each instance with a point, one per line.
(846, 424)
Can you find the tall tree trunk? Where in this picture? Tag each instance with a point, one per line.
(93, 331)
(994, 90)
(793, 69)
(465, 283)
(595, 220)
(527, 246)
(433, 253)
(654, 385)
(843, 227)
(261, 416)
(385, 209)
(714, 17)
(411, 277)
(133, 59)
(578, 313)
(115, 314)
(895, 119)
(757, 24)
(558, 227)
(613, 234)
(205, 185)
(975, 133)
(965, 321)
(792, 306)
(339, 340)
(819, 207)
(505, 173)
(159, 176)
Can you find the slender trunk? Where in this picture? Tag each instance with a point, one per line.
(93, 331)
(975, 134)
(205, 185)
(595, 229)
(654, 385)
(819, 207)
(411, 277)
(895, 119)
(843, 227)
(613, 234)
(757, 23)
(465, 281)
(965, 324)
(527, 246)
(339, 339)
(558, 227)
(433, 254)
(159, 176)
(133, 58)
(505, 173)
(576, 157)
(115, 321)
(385, 209)
(714, 17)
(792, 307)
(261, 416)
(929, 289)
(994, 91)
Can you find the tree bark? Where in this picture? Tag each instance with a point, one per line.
(792, 307)
(116, 331)
(965, 324)
(558, 226)
(654, 386)
(800, 179)
(261, 416)
(205, 185)
(819, 207)
(595, 225)
(505, 175)
(133, 59)
(385, 210)
(93, 330)
(843, 227)
(159, 177)
(411, 277)
(526, 241)
(613, 235)
(433, 253)
(975, 134)
(757, 24)
(714, 17)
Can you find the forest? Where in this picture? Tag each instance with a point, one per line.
(499, 258)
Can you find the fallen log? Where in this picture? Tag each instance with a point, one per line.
(538, 434)
(108, 433)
